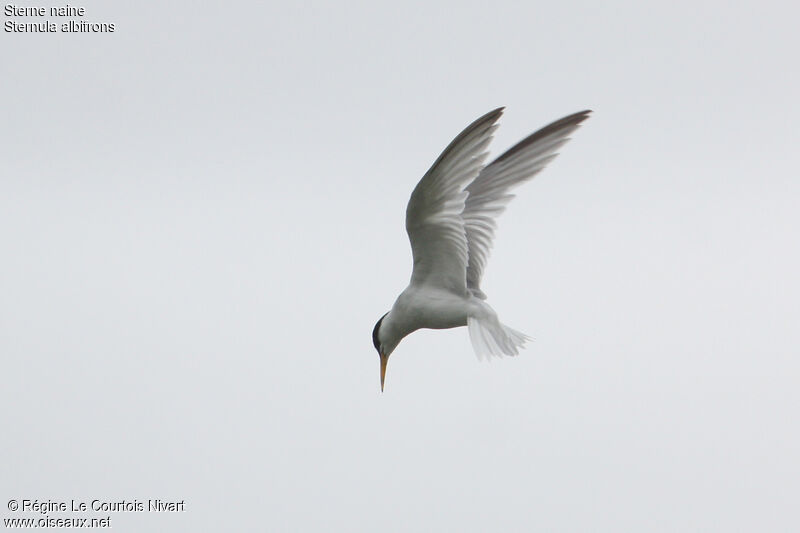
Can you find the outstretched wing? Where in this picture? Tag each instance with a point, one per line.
(433, 216)
(489, 192)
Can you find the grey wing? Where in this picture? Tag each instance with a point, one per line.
(433, 216)
(489, 192)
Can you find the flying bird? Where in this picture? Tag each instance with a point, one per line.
(450, 220)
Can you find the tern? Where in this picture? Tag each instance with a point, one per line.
(450, 221)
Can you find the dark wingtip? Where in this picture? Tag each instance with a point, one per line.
(480, 124)
(490, 117)
(569, 121)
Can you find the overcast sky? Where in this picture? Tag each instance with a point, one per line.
(202, 218)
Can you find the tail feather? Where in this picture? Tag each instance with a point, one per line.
(491, 338)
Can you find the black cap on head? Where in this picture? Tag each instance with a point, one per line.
(375, 340)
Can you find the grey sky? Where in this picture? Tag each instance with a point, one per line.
(202, 218)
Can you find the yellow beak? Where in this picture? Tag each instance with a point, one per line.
(384, 361)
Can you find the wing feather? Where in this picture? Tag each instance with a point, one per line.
(488, 194)
(434, 214)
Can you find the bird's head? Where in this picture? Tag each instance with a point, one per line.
(383, 345)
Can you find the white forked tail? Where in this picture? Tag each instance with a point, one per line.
(489, 337)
